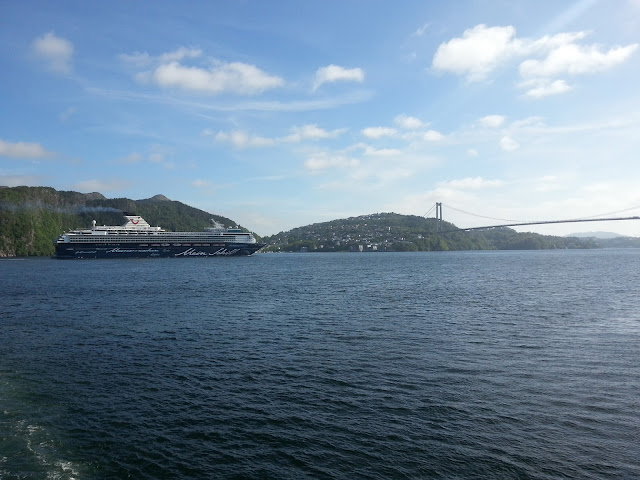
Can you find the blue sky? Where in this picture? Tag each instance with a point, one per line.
(286, 113)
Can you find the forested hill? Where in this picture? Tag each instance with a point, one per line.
(394, 232)
(32, 217)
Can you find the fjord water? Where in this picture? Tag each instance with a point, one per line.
(342, 366)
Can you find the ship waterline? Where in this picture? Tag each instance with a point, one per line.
(137, 239)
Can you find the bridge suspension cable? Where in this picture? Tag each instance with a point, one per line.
(515, 223)
(540, 221)
(430, 210)
(480, 216)
(616, 212)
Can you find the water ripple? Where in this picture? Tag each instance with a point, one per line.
(462, 365)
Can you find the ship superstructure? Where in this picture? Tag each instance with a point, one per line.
(136, 238)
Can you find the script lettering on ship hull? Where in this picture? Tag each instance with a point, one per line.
(192, 252)
(125, 250)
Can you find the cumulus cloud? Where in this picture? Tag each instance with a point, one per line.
(378, 132)
(381, 152)
(311, 132)
(508, 144)
(323, 161)
(492, 121)
(336, 73)
(236, 77)
(55, 51)
(23, 150)
(187, 69)
(481, 50)
(143, 59)
(432, 136)
(241, 139)
(541, 87)
(572, 59)
(478, 52)
(409, 123)
(180, 54)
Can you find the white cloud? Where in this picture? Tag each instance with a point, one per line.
(421, 30)
(198, 183)
(378, 132)
(180, 54)
(492, 121)
(432, 136)
(23, 150)
(572, 59)
(240, 139)
(381, 152)
(539, 88)
(55, 51)
(324, 161)
(336, 73)
(311, 132)
(142, 59)
(214, 77)
(471, 183)
(508, 144)
(480, 50)
(409, 123)
(236, 77)
(472, 152)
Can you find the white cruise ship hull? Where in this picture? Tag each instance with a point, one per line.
(129, 250)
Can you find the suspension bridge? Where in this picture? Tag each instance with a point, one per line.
(515, 223)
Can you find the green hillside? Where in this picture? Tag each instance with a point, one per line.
(394, 232)
(32, 217)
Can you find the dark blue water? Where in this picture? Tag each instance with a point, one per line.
(509, 365)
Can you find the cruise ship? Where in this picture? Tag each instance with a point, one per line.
(137, 239)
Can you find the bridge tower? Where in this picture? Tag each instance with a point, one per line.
(439, 216)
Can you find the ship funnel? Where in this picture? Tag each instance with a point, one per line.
(93, 223)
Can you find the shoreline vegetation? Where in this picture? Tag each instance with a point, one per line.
(32, 217)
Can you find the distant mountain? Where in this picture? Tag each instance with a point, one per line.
(159, 198)
(595, 235)
(32, 217)
(619, 242)
(609, 239)
(395, 232)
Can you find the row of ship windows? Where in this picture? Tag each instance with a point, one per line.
(134, 240)
(170, 245)
(194, 234)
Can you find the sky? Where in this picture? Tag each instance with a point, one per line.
(285, 113)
